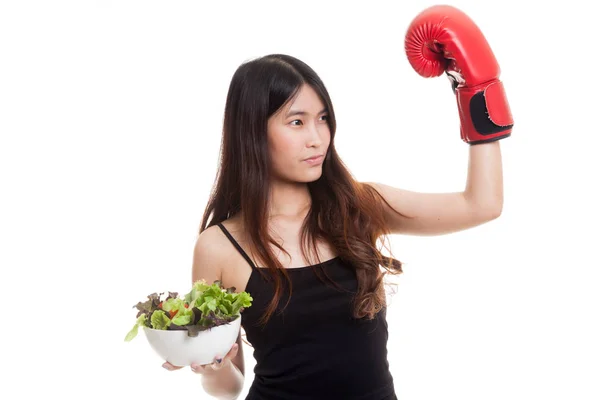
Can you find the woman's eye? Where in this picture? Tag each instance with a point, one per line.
(323, 116)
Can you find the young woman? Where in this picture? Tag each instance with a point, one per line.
(288, 224)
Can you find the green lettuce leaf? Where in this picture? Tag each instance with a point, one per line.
(141, 321)
(160, 320)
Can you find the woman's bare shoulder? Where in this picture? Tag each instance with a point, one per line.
(213, 251)
(209, 255)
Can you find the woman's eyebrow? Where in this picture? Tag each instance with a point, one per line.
(298, 112)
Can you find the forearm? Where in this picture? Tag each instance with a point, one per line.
(484, 189)
(225, 383)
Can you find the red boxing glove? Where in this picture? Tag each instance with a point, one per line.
(444, 39)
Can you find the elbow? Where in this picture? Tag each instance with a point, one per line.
(492, 211)
(486, 208)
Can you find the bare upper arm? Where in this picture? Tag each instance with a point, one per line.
(208, 264)
(409, 212)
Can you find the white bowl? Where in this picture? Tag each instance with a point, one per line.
(182, 350)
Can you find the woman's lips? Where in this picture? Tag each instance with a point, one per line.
(314, 160)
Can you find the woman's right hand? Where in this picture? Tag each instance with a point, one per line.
(217, 364)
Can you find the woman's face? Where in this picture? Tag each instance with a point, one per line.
(299, 131)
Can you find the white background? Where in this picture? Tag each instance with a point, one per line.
(110, 123)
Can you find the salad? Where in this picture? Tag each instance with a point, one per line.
(204, 307)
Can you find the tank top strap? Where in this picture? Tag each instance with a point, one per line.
(237, 246)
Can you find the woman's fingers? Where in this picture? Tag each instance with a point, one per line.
(216, 365)
(167, 365)
(221, 362)
(233, 352)
(199, 369)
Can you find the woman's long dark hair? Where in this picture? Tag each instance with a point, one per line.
(344, 213)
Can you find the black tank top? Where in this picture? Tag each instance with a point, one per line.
(315, 349)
